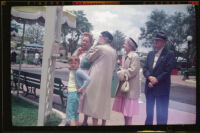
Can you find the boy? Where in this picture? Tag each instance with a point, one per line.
(78, 80)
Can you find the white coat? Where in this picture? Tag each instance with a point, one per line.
(131, 67)
(97, 101)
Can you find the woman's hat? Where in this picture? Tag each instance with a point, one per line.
(161, 36)
(132, 43)
(107, 34)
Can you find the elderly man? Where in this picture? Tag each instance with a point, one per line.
(157, 71)
(97, 99)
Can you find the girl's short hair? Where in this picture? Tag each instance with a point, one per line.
(88, 35)
(74, 58)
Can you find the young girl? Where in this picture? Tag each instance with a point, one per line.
(78, 80)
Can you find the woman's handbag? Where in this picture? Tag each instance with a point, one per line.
(125, 85)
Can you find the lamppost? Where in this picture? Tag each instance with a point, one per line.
(186, 74)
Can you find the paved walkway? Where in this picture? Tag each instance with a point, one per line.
(175, 116)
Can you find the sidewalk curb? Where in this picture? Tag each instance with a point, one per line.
(190, 81)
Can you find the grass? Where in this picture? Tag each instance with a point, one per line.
(25, 114)
(25, 61)
(53, 120)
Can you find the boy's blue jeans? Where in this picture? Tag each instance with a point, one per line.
(72, 106)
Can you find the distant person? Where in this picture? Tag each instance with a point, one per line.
(98, 93)
(25, 55)
(127, 102)
(13, 57)
(157, 71)
(37, 55)
(41, 56)
(78, 81)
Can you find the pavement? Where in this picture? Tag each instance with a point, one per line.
(182, 114)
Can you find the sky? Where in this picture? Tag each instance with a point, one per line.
(126, 18)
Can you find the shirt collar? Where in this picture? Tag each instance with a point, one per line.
(160, 51)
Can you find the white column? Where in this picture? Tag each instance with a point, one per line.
(52, 33)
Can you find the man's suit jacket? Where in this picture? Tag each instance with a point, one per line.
(161, 71)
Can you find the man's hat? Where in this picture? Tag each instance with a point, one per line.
(133, 43)
(161, 36)
(107, 34)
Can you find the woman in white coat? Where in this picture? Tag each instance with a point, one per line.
(98, 93)
(127, 102)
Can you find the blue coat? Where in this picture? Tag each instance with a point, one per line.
(161, 71)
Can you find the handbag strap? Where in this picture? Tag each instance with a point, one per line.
(126, 77)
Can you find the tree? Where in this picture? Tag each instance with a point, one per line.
(176, 33)
(190, 22)
(177, 27)
(181, 25)
(158, 21)
(82, 25)
(16, 26)
(118, 40)
(34, 34)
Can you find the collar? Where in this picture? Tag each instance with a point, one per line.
(130, 53)
(74, 70)
(160, 51)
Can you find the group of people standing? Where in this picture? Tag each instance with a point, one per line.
(91, 76)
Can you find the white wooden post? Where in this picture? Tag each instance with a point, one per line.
(52, 37)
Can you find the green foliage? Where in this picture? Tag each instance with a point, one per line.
(82, 25)
(30, 61)
(177, 27)
(176, 32)
(15, 25)
(17, 60)
(53, 120)
(118, 40)
(34, 34)
(157, 21)
(26, 114)
(23, 113)
(191, 23)
(25, 61)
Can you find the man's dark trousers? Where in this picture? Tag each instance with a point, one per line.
(162, 103)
